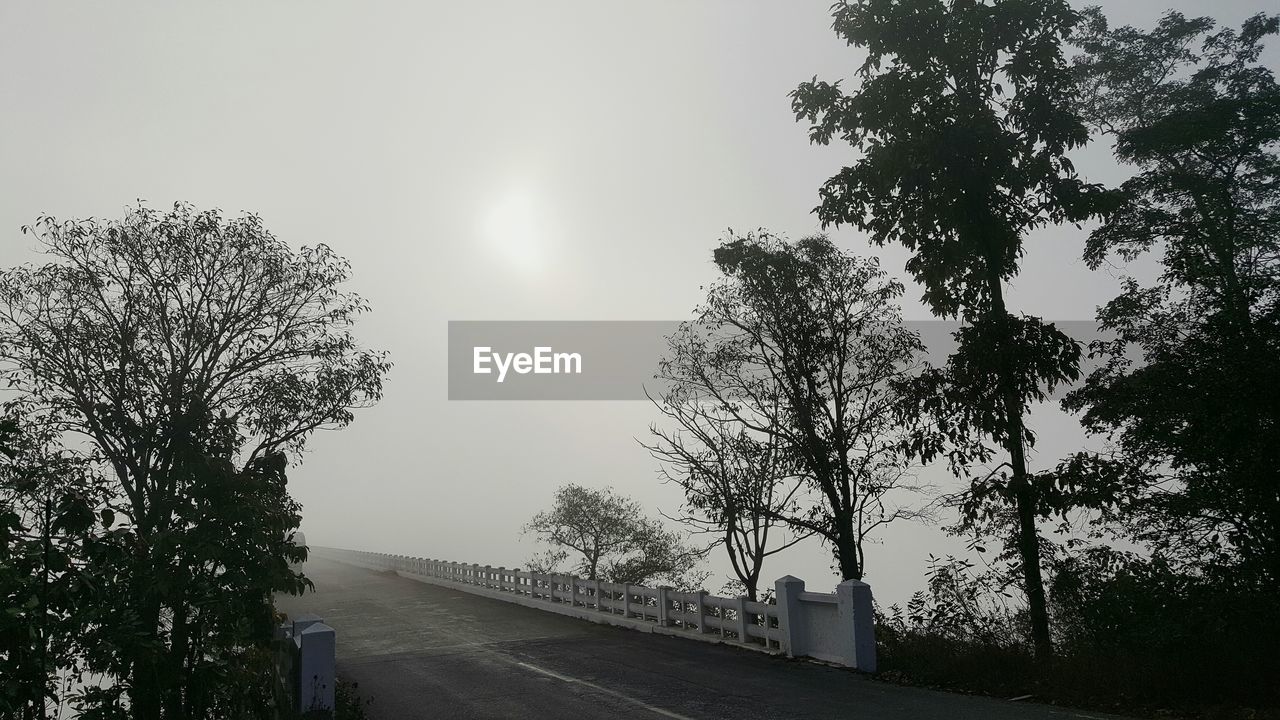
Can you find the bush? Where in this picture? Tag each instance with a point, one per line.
(1132, 635)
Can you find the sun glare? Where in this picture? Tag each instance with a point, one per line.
(514, 231)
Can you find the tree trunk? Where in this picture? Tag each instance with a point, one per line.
(846, 547)
(146, 691)
(1026, 538)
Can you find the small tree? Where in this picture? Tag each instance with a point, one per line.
(737, 483)
(801, 344)
(612, 539)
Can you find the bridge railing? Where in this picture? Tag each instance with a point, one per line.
(834, 627)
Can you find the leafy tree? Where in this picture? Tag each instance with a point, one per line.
(192, 351)
(612, 540)
(962, 122)
(47, 502)
(800, 346)
(737, 483)
(1189, 387)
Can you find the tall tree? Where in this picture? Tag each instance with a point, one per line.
(1189, 390)
(962, 121)
(192, 351)
(801, 345)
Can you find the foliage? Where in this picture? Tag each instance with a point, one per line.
(962, 632)
(47, 502)
(1133, 635)
(348, 704)
(191, 352)
(1189, 386)
(613, 540)
(962, 123)
(793, 357)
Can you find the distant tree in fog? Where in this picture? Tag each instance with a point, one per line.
(609, 537)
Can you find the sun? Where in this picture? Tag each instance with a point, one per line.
(514, 231)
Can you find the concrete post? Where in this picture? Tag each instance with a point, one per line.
(303, 621)
(858, 615)
(599, 598)
(742, 619)
(664, 606)
(790, 618)
(626, 600)
(316, 647)
(573, 591)
(502, 578)
(702, 612)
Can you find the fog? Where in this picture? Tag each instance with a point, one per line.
(480, 161)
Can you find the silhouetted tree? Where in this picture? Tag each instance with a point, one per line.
(962, 121)
(613, 540)
(802, 344)
(737, 483)
(192, 351)
(48, 503)
(1189, 390)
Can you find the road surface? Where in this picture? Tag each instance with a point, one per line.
(424, 651)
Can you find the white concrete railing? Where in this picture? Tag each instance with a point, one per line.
(306, 661)
(833, 627)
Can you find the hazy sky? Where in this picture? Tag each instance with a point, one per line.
(497, 160)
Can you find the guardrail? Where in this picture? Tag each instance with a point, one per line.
(833, 627)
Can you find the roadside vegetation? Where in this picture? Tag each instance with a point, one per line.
(1140, 577)
(163, 369)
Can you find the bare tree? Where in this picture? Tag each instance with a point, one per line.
(737, 483)
(802, 344)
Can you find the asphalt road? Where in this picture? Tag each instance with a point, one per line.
(423, 651)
